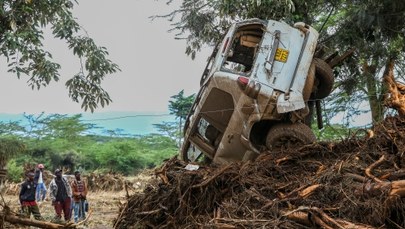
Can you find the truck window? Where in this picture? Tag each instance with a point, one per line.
(243, 49)
(208, 132)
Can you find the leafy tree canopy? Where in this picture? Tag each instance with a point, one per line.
(180, 105)
(203, 22)
(22, 25)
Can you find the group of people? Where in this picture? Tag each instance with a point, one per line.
(66, 197)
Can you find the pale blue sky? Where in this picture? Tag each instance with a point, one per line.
(154, 66)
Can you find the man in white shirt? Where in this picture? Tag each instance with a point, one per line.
(39, 179)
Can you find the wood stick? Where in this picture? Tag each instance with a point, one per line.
(204, 183)
(336, 61)
(85, 220)
(326, 217)
(32, 222)
(318, 221)
(308, 191)
(373, 166)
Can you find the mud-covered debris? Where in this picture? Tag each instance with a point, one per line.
(358, 182)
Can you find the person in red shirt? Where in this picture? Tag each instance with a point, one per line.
(79, 189)
(27, 198)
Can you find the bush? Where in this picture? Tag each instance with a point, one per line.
(15, 173)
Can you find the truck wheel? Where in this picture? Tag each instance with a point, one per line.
(309, 83)
(287, 135)
(324, 79)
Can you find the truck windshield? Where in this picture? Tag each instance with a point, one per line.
(243, 49)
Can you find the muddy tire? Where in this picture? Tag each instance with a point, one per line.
(309, 83)
(287, 135)
(324, 79)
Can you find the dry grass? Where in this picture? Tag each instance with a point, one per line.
(104, 207)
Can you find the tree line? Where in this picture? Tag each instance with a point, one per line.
(62, 141)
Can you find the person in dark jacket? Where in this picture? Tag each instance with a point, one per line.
(61, 195)
(27, 198)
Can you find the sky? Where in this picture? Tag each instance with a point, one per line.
(153, 64)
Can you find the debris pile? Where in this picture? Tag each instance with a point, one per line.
(106, 182)
(356, 183)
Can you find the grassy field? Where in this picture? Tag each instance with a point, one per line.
(104, 208)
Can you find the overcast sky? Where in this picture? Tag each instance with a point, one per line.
(154, 65)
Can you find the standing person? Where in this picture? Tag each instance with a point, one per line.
(27, 198)
(61, 194)
(79, 189)
(39, 179)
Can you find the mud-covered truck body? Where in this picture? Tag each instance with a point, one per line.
(254, 92)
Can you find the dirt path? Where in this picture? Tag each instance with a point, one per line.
(104, 207)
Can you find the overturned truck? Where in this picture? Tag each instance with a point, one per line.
(258, 92)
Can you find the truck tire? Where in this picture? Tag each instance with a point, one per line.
(309, 83)
(324, 79)
(287, 135)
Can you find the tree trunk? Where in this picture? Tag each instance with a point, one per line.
(180, 133)
(3, 174)
(395, 97)
(373, 94)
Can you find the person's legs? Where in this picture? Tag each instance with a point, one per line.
(58, 209)
(38, 193)
(82, 214)
(35, 212)
(25, 210)
(67, 209)
(76, 208)
(43, 189)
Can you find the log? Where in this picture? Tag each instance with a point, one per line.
(32, 222)
(337, 60)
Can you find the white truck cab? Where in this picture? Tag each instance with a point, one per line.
(254, 92)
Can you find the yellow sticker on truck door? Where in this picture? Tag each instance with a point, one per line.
(281, 55)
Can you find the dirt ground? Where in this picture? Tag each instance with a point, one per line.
(104, 207)
(107, 193)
